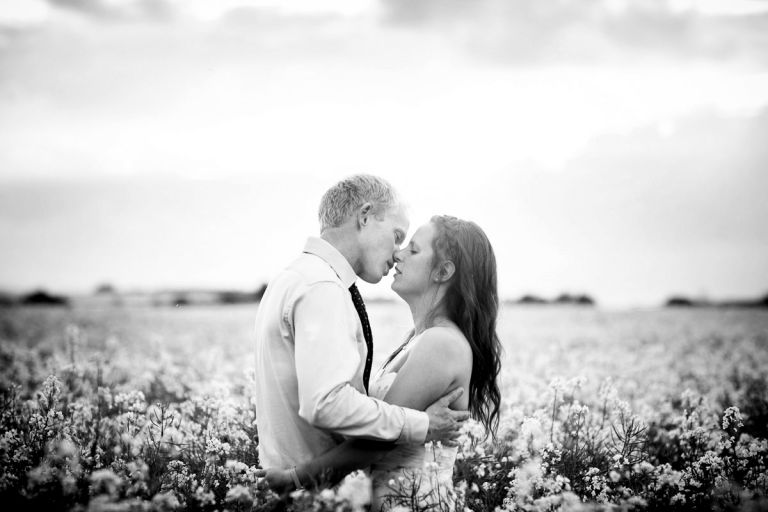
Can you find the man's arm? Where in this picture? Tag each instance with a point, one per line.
(330, 467)
(327, 359)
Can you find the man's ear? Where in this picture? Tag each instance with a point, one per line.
(444, 272)
(364, 214)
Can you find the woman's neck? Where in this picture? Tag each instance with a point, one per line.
(423, 310)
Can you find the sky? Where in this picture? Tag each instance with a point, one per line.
(609, 147)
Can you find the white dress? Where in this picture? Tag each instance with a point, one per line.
(414, 476)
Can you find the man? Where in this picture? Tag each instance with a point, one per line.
(313, 340)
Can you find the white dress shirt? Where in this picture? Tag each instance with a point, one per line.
(310, 353)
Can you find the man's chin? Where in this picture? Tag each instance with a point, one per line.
(371, 279)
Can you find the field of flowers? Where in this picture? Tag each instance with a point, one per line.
(151, 409)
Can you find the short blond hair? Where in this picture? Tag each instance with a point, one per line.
(341, 200)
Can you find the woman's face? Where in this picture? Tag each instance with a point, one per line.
(413, 267)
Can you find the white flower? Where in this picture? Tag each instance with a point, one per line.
(204, 497)
(678, 499)
(105, 481)
(732, 416)
(356, 490)
(165, 501)
(239, 494)
(236, 466)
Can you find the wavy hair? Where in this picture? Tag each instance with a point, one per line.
(472, 303)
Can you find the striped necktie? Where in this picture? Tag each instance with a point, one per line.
(357, 300)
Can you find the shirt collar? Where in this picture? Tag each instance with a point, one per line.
(333, 257)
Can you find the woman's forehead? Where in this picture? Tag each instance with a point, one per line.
(424, 234)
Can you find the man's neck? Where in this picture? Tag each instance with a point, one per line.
(339, 238)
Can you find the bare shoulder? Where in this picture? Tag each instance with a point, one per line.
(446, 344)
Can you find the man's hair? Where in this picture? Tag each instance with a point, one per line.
(341, 200)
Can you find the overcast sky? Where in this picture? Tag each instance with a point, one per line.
(610, 147)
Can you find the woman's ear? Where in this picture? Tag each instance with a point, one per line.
(444, 271)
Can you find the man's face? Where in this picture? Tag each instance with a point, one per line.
(379, 239)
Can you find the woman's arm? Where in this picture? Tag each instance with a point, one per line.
(434, 365)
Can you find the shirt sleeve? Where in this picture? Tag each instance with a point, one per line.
(327, 360)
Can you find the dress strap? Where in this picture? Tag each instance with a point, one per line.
(408, 338)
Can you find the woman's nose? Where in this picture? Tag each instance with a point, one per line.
(398, 259)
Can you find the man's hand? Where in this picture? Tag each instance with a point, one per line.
(444, 423)
(279, 480)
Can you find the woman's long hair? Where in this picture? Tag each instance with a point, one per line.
(472, 303)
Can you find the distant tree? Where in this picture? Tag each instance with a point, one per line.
(104, 289)
(181, 299)
(679, 302)
(236, 297)
(230, 297)
(6, 299)
(43, 298)
(531, 299)
(582, 300)
(745, 303)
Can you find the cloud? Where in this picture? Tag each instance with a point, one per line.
(694, 182)
(676, 207)
(124, 10)
(531, 31)
(211, 11)
(23, 13)
(516, 32)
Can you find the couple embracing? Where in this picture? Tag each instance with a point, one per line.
(321, 411)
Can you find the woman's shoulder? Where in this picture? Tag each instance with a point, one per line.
(446, 340)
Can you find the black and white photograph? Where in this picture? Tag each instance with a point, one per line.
(383, 255)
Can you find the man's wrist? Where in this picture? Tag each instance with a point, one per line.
(415, 427)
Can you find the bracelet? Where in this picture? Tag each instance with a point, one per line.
(295, 478)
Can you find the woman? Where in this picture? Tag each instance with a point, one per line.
(447, 276)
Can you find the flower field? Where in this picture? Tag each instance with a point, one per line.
(151, 409)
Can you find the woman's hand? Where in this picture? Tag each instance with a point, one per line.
(279, 480)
